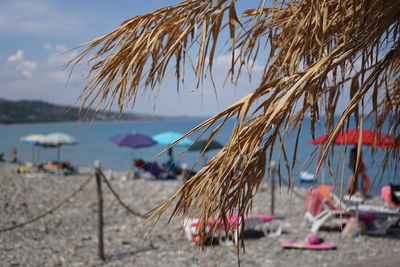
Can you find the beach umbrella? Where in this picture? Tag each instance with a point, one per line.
(57, 140)
(133, 140)
(351, 137)
(168, 138)
(33, 139)
(200, 145)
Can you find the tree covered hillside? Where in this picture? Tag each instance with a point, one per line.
(38, 111)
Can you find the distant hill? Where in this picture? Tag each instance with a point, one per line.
(38, 111)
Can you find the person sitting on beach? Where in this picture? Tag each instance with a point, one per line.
(13, 153)
(66, 167)
(2, 157)
(359, 181)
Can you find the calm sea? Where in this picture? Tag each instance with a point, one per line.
(94, 144)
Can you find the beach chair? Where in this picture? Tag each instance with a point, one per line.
(320, 210)
(325, 207)
(385, 216)
(219, 230)
(270, 226)
(388, 215)
(154, 169)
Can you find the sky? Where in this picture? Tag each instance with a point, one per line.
(35, 41)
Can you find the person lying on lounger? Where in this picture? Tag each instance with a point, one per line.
(153, 168)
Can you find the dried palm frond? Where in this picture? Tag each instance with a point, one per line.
(318, 51)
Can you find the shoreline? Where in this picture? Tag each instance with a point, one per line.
(89, 121)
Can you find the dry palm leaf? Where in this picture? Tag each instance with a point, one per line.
(317, 51)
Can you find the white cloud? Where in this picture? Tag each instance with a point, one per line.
(58, 76)
(60, 55)
(17, 57)
(51, 71)
(48, 46)
(21, 66)
(37, 18)
(26, 68)
(57, 60)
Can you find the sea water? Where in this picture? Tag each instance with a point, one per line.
(94, 144)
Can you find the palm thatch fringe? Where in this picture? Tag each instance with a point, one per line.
(318, 52)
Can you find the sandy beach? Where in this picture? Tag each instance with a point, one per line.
(68, 236)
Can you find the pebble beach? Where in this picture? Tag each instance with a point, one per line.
(68, 236)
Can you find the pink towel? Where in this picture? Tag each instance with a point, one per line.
(233, 221)
(386, 195)
(314, 201)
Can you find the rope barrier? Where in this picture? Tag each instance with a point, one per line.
(41, 215)
(119, 199)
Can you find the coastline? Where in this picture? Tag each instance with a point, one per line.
(146, 118)
(68, 235)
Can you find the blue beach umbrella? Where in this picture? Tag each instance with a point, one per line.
(168, 138)
(33, 139)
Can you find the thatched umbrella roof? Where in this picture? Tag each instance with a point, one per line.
(317, 51)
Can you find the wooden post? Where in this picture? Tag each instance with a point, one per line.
(272, 176)
(100, 221)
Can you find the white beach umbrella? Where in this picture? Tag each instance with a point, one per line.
(33, 139)
(57, 140)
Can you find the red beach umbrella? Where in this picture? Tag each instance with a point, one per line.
(351, 137)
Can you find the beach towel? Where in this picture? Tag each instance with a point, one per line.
(304, 245)
(388, 194)
(194, 227)
(312, 242)
(314, 201)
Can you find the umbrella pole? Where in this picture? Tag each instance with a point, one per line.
(58, 161)
(33, 154)
(38, 154)
(100, 220)
(58, 154)
(272, 176)
(171, 160)
(133, 164)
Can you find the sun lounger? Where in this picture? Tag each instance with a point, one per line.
(320, 210)
(324, 207)
(386, 215)
(389, 214)
(217, 228)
